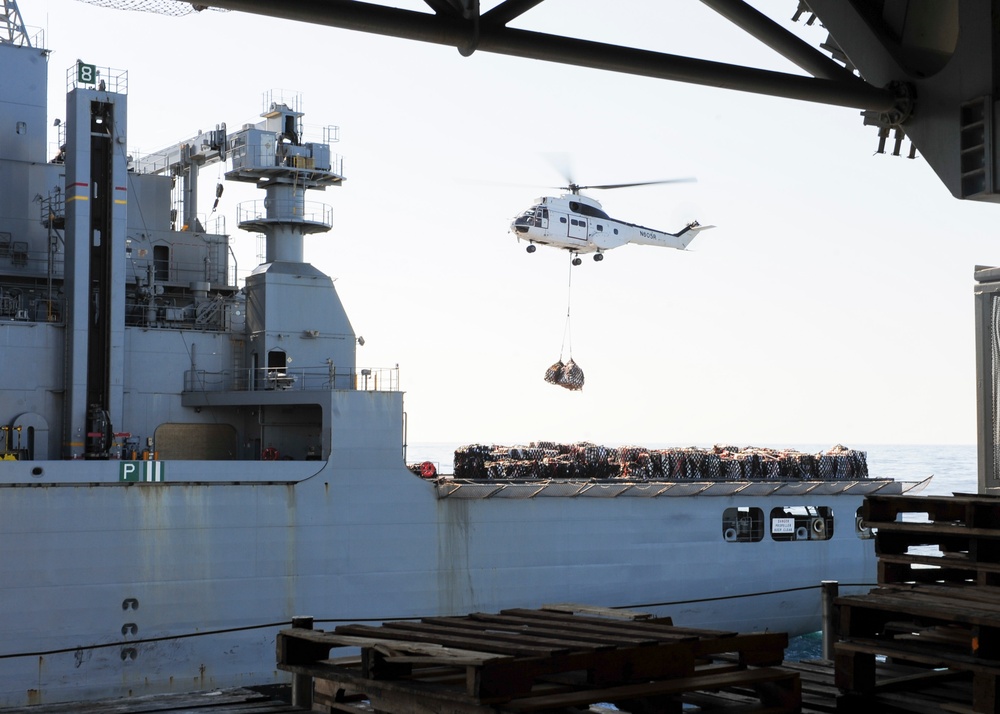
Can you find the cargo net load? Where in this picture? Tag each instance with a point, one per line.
(160, 7)
(568, 375)
(545, 460)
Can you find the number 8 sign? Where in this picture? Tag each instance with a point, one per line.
(86, 73)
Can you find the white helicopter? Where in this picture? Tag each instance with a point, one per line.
(577, 223)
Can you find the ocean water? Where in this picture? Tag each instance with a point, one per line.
(952, 468)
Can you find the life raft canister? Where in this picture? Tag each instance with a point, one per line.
(269, 454)
(427, 470)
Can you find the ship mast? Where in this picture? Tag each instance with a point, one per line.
(275, 158)
(12, 30)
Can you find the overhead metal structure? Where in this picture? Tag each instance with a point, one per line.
(920, 69)
(12, 30)
(463, 25)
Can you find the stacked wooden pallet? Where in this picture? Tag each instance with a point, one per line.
(544, 660)
(937, 605)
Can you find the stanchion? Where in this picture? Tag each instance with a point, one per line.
(302, 684)
(831, 588)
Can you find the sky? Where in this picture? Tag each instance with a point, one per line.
(832, 303)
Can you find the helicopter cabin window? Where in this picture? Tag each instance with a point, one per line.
(562, 219)
(743, 525)
(801, 523)
(600, 227)
(616, 231)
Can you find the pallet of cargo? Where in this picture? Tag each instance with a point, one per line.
(524, 660)
(926, 539)
(947, 630)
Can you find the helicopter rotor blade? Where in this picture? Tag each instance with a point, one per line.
(638, 183)
(560, 161)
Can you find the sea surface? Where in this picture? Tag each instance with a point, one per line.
(952, 468)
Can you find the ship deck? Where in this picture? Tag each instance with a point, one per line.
(819, 696)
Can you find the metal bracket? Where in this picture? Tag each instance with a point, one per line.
(470, 11)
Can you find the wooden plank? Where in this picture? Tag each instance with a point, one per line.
(577, 608)
(979, 593)
(787, 682)
(584, 632)
(393, 645)
(757, 649)
(353, 682)
(618, 665)
(912, 652)
(933, 609)
(932, 530)
(431, 630)
(496, 647)
(647, 626)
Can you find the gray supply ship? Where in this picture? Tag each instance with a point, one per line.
(188, 463)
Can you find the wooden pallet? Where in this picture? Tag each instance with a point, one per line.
(938, 609)
(965, 529)
(535, 661)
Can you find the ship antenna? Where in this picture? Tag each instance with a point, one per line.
(12, 31)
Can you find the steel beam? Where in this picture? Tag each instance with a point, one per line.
(781, 40)
(424, 27)
(507, 11)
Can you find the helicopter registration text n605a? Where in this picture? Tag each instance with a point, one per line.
(577, 223)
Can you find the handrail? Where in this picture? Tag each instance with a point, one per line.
(383, 379)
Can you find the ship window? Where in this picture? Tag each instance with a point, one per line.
(801, 523)
(161, 262)
(743, 525)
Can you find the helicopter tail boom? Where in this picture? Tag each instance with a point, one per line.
(679, 240)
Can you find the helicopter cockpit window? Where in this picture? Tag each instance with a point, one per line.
(533, 216)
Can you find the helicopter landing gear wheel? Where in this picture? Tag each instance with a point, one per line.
(532, 248)
(576, 261)
(598, 257)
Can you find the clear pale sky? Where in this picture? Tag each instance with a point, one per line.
(832, 303)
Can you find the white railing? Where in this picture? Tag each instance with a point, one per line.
(284, 211)
(382, 379)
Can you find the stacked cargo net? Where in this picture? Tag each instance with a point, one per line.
(544, 460)
(160, 7)
(568, 375)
